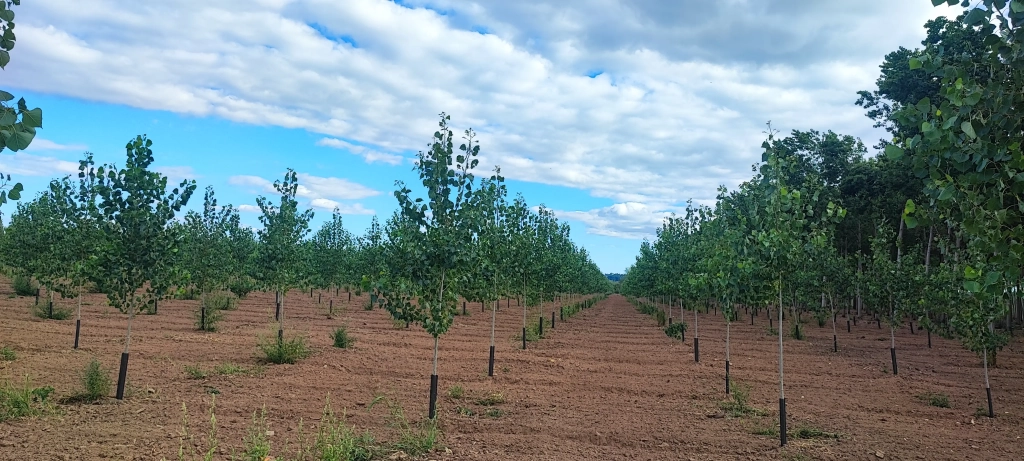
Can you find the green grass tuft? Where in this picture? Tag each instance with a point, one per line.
(289, 350)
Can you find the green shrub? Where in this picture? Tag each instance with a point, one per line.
(44, 311)
(341, 338)
(288, 350)
(96, 382)
(456, 392)
(221, 301)
(7, 354)
(242, 286)
(676, 330)
(24, 286)
(24, 400)
(209, 321)
(659, 316)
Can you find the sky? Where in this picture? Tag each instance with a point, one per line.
(613, 113)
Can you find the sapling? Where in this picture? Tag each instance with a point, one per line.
(135, 211)
(279, 255)
(434, 233)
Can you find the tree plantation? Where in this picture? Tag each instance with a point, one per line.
(843, 301)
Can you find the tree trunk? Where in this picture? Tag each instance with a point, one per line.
(782, 388)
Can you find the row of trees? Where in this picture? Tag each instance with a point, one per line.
(114, 230)
(929, 232)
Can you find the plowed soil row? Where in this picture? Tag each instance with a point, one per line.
(606, 384)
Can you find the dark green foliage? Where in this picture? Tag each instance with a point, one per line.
(96, 382)
(207, 317)
(241, 286)
(676, 330)
(221, 301)
(24, 286)
(44, 311)
(341, 338)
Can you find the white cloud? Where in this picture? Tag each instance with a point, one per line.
(255, 183)
(678, 108)
(343, 208)
(22, 164)
(176, 174)
(323, 193)
(369, 155)
(39, 144)
(335, 188)
(630, 220)
(249, 208)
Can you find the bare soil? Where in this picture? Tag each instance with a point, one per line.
(606, 384)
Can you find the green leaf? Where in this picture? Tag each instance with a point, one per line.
(947, 193)
(976, 16)
(893, 151)
(33, 118)
(15, 193)
(968, 129)
(971, 273)
(972, 286)
(5, 58)
(915, 63)
(7, 15)
(924, 105)
(910, 207)
(1017, 6)
(910, 221)
(19, 140)
(5, 96)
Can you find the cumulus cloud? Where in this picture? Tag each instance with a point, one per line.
(335, 188)
(40, 144)
(323, 193)
(176, 174)
(245, 208)
(22, 164)
(632, 220)
(644, 103)
(369, 155)
(343, 208)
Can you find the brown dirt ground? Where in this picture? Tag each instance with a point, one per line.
(607, 384)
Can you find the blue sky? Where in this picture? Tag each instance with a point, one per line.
(612, 113)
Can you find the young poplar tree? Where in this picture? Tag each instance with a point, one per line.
(438, 237)
(333, 252)
(279, 260)
(206, 253)
(490, 275)
(136, 211)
